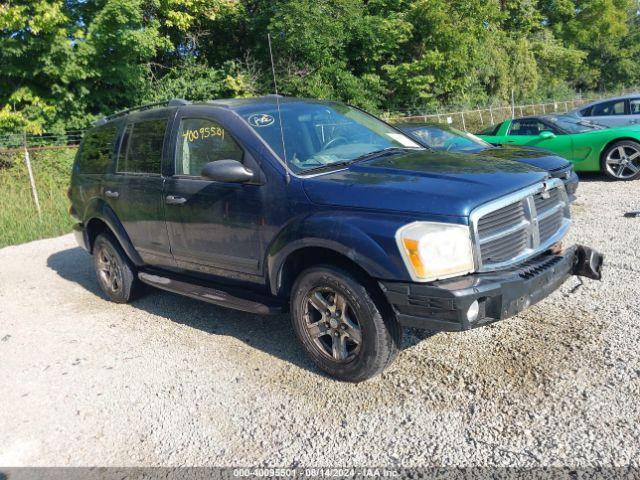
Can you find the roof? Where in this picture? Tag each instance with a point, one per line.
(610, 99)
(265, 100)
(230, 103)
(246, 101)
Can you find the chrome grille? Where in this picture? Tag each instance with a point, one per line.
(517, 227)
(500, 219)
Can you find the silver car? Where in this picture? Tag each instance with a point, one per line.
(611, 112)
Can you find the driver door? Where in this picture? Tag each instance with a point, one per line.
(526, 132)
(214, 227)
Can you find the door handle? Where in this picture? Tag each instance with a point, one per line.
(173, 200)
(111, 194)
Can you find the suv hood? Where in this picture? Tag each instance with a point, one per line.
(423, 182)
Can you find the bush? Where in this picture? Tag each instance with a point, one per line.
(19, 220)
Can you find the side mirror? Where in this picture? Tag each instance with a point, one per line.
(227, 171)
(546, 135)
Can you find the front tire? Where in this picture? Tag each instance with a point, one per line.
(117, 276)
(340, 326)
(621, 161)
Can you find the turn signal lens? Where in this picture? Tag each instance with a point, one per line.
(414, 257)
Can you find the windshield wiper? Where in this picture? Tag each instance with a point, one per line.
(380, 153)
(328, 166)
(361, 158)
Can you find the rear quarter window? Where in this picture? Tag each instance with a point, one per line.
(492, 130)
(96, 152)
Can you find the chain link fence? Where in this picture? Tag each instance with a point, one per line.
(471, 120)
(22, 147)
(481, 118)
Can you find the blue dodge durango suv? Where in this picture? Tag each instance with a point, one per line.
(271, 204)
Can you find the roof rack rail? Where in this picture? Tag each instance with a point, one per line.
(174, 102)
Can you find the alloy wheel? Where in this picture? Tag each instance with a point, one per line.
(109, 270)
(331, 324)
(623, 162)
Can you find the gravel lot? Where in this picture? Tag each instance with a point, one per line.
(172, 381)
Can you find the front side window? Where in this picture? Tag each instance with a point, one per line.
(141, 148)
(634, 106)
(615, 107)
(528, 126)
(318, 135)
(586, 112)
(447, 138)
(97, 149)
(201, 141)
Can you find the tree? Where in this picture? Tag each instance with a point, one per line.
(64, 62)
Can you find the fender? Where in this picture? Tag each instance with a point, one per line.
(611, 142)
(99, 209)
(366, 239)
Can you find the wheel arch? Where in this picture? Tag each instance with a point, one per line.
(365, 245)
(610, 143)
(100, 218)
(309, 256)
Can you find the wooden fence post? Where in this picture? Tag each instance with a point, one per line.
(32, 182)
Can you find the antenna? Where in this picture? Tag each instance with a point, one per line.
(275, 86)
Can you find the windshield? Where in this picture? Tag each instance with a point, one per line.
(572, 125)
(449, 138)
(318, 135)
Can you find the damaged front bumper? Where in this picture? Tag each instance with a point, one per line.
(474, 300)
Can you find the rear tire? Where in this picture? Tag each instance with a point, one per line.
(621, 161)
(117, 276)
(342, 329)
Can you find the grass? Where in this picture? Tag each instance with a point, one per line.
(19, 220)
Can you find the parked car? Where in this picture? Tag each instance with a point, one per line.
(591, 147)
(268, 203)
(611, 112)
(446, 138)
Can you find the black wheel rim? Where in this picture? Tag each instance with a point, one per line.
(331, 324)
(109, 270)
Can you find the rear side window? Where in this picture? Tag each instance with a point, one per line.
(201, 141)
(141, 148)
(97, 150)
(634, 106)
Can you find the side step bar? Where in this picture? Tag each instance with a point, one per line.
(238, 300)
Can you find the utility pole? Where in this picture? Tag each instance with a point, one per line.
(27, 162)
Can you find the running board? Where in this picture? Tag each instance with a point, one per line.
(238, 300)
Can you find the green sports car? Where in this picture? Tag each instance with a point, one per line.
(589, 146)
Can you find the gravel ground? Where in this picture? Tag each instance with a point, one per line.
(172, 381)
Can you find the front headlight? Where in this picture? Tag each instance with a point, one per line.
(433, 250)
